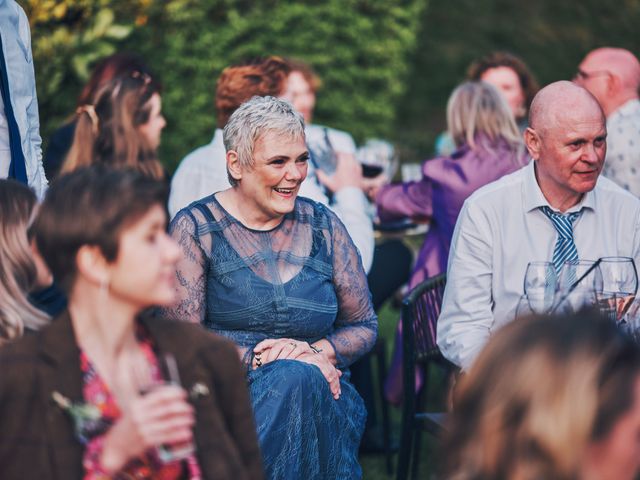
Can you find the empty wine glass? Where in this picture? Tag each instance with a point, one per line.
(619, 284)
(579, 286)
(540, 286)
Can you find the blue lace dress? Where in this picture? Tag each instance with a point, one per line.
(302, 280)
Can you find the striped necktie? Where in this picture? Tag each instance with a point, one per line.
(565, 248)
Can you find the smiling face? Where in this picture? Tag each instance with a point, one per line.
(569, 151)
(506, 80)
(143, 273)
(152, 129)
(269, 188)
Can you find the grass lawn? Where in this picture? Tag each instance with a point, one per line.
(374, 466)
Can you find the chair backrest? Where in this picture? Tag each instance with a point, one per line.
(420, 311)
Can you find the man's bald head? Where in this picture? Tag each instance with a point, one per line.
(567, 140)
(556, 101)
(612, 75)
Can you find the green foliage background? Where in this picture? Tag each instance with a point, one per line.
(360, 48)
(387, 66)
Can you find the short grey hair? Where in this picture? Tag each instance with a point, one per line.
(255, 118)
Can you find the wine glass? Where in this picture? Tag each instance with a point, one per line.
(579, 286)
(146, 380)
(619, 284)
(631, 322)
(523, 308)
(540, 286)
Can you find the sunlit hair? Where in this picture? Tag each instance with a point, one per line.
(310, 76)
(108, 68)
(477, 109)
(538, 395)
(107, 129)
(238, 83)
(17, 268)
(528, 82)
(256, 118)
(91, 206)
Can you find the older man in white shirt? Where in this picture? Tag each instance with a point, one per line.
(511, 222)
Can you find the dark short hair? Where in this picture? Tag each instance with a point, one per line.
(504, 59)
(91, 206)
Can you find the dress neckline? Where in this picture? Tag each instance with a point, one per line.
(236, 220)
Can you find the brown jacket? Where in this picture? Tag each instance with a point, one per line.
(36, 436)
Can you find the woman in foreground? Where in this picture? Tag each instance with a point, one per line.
(548, 398)
(105, 391)
(280, 276)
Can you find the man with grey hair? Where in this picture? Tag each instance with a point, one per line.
(557, 208)
(612, 75)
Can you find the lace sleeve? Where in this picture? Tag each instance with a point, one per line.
(190, 305)
(356, 324)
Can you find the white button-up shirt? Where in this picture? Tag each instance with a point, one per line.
(499, 231)
(16, 47)
(623, 147)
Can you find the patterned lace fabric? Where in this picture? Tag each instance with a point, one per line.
(97, 393)
(303, 279)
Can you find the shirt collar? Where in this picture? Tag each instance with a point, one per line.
(534, 199)
(626, 109)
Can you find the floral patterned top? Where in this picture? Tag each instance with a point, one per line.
(97, 395)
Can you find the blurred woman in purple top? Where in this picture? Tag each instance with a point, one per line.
(488, 146)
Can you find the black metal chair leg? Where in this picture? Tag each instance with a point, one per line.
(406, 440)
(384, 406)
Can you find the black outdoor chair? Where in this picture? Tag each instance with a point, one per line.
(420, 311)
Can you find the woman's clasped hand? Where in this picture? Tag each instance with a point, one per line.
(273, 349)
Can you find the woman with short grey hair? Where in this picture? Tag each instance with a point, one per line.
(280, 276)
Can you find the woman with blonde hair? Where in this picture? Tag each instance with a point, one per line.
(488, 146)
(548, 398)
(121, 127)
(18, 272)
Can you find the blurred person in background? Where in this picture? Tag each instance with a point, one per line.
(555, 398)
(612, 75)
(20, 142)
(96, 394)
(488, 146)
(334, 175)
(19, 272)
(513, 79)
(203, 172)
(120, 127)
(280, 275)
(107, 69)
